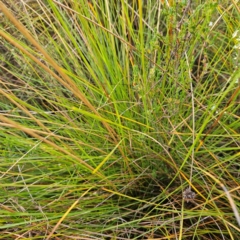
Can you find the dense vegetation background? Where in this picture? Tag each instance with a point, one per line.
(119, 119)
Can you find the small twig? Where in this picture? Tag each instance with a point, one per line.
(193, 119)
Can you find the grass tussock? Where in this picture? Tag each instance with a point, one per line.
(119, 119)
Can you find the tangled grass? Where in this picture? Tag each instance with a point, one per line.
(119, 119)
